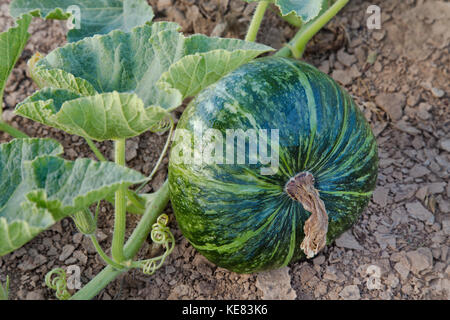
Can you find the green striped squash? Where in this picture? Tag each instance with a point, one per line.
(248, 214)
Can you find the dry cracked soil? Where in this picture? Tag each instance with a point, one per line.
(398, 249)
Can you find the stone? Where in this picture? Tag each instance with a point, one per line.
(418, 211)
(35, 295)
(406, 127)
(392, 103)
(276, 284)
(402, 267)
(306, 273)
(436, 187)
(420, 259)
(418, 171)
(444, 144)
(380, 196)
(66, 252)
(350, 292)
(345, 58)
(342, 77)
(348, 241)
(446, 227)
(438, 93)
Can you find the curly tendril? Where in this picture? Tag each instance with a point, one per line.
(57, 280)
(162, 235)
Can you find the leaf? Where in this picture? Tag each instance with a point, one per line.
(38, 188)
(305, 9)
(207, 60)
(106, 116)
(124, 74)
(96, 16)
(12, 43)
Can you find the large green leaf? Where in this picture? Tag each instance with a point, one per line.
(12, 43)
(38, 188)
(305, 9)
(206, 60)
(154, 62)
(96, 16)
(106, 116)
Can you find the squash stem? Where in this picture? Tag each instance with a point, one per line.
(256, 21)
(120, 218)
(297, 45)
(301, 188)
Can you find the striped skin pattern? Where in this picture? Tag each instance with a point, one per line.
(244, 221)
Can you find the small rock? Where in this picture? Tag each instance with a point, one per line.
(319, 260)
(418, 171)
(131, 150)
(444, 144)
(385, 240)
(345, 58)
(418, 211)
(35, 295)
(306, 273)
(392, 103)
(348, 241)
(446, 227)
(66, 252)
(438, 93)
(80, 256)
(407, 128)
(342, 76)
(380, 196)
(219, 29)
(420, 259)
(276, 285)
(402, 267)
(8, 115)
(436, 187)
(350, 292)
(422, 193)
(423, 111)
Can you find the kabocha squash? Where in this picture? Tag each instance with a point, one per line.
(236, 205)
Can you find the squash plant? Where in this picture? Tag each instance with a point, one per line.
(117, 79)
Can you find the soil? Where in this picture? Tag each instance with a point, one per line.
(399, 248)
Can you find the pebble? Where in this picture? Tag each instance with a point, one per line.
(380, 196)
(342, 76)
(350, 292)
(276, 285)
(444, 144)
(438, 93)
(392, 103)
(418, 171)
(348, 241)
(66, 252)
(420, 259)
(402, 267)
(418, 211)
(345, 58)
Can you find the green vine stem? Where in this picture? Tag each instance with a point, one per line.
(132, 246)
(4, 290)
(94, 149)
(297, 45)
(120, 218)
(13, 132)
(103, 255)
(256, 21)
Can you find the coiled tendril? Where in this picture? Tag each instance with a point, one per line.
(57, 280)
(162, 235)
